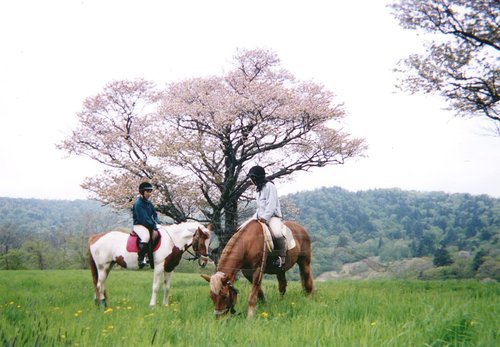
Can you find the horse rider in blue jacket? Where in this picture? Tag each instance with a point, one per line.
(145, 222)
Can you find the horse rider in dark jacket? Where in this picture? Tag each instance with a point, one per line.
(145, 222)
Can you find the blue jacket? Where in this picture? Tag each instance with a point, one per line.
(144, 213)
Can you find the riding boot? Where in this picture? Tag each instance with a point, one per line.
(150, 255)
(141, 253)
(280, 247)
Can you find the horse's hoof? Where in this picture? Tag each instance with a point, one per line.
(103, 303)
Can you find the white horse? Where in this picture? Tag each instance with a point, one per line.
(109, 248)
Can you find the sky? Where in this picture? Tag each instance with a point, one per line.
(56, 53)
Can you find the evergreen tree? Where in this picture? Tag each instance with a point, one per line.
(442, 257)
(478, 259)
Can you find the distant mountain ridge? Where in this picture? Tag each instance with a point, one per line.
(394, 224)
(345, 227)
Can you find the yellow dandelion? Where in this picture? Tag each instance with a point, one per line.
(293, 304)
(11, 303)
(373, 323)
(111, 327)
(264, 314)
(108, 310)
(471, 323)
(129, 307)
(77, 314)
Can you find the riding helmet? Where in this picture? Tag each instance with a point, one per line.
(257, 172)
(145, 186)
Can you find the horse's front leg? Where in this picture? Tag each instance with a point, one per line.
(166, 287)
(156, 285)
(281, 283)
(254, 294)
(102, 274)
(249, 276)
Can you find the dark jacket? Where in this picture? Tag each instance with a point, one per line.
(144, 213)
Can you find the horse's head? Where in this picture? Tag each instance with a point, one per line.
(222, 293)
(201, 242)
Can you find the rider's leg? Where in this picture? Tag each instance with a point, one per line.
(143, 234)
(276, 226)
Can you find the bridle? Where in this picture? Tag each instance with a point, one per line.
(230, 308)
(202, 259)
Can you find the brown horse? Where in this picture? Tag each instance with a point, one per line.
(246, 251)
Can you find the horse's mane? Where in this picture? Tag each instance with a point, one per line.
(231, 243)
(216, 282)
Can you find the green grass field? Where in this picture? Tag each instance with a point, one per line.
(46, 308)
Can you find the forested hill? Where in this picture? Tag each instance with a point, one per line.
(395, 224)
(345, 227)
(38, 216)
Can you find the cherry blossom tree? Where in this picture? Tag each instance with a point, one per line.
(196, 140)
(461, 60)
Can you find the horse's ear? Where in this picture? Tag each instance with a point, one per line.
(207, 278)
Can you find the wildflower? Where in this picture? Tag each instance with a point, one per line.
(11, 303)
(129, 307)
(293, 304)
(108, 310)
(264, 314)
(373, 323)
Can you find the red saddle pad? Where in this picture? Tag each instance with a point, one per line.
(132, 243)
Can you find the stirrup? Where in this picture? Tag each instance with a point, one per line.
(279, 262)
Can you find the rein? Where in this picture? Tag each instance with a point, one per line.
(196, 255)
(263, 255)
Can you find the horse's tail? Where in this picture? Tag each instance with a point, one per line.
(93, 268)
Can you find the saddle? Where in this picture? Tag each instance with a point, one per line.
(133, 241)
(287, 233)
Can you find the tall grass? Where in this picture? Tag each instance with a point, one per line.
(45, 308)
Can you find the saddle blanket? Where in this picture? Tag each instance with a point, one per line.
(132, 243)
(287, 233)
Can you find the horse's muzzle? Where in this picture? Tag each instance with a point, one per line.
(202, 261)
